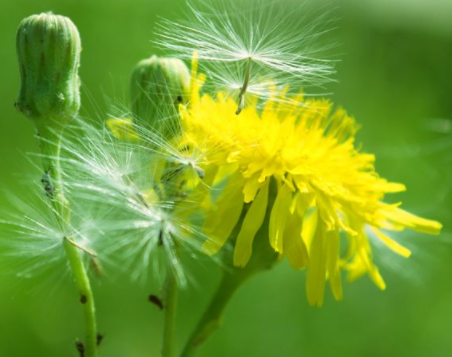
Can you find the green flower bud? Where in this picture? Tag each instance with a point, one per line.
(48, 49)
(157, 87)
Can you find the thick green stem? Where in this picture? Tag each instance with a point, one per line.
(213, 316)
(262, 259)
(170, 309)
(50, 142)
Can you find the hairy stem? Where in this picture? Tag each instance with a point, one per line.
(170, 308)
(50, 142)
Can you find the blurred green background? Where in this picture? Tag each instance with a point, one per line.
(395, 77)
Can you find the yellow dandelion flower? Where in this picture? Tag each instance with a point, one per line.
(326, 188)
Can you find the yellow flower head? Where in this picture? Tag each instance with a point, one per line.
(326, 188)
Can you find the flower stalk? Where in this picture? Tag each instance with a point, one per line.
(246, 82)
(50, 147)
(170, 309)
(212, 318)
(86, 297)
(48, 48)
(263, 259)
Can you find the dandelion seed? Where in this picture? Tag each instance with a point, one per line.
(33, 237)
(253, 43)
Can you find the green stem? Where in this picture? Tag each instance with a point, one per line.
(262, 259)
(245, 85)
(213, 316)
(86, 297)
(50, 142)
(170, 308)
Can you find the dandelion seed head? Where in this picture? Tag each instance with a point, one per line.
(135, 185)
(279, 44)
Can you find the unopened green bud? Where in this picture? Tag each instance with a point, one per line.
(48, 49)
(158, 86)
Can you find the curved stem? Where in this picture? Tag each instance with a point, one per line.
(170, 308)
(244, 89)
(262, 259)
(213, 316)
(50, 142)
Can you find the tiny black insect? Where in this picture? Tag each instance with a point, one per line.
(100, 338)
(47, 183)
(83, 299)
(156, 301)
(80, 348)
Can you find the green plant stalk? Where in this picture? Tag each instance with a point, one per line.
(170, 289)
(244, 89)
(212, 318)
(50, 143)
(86, 297)
(170, 309)
(263, 258)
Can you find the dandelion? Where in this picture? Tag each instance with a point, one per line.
(326, 188)
(246, 49)
(182, 175)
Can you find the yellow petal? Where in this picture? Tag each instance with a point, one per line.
(310, 220)
(376, 277)
(250, 189)
(223, 217)
(392, 244)
(334, 274)
(414, 222)
(294, 247)
(251, 224)
(278, 218)
(315, 283)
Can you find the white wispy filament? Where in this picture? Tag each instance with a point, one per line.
(238, 42)
(120, 184)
